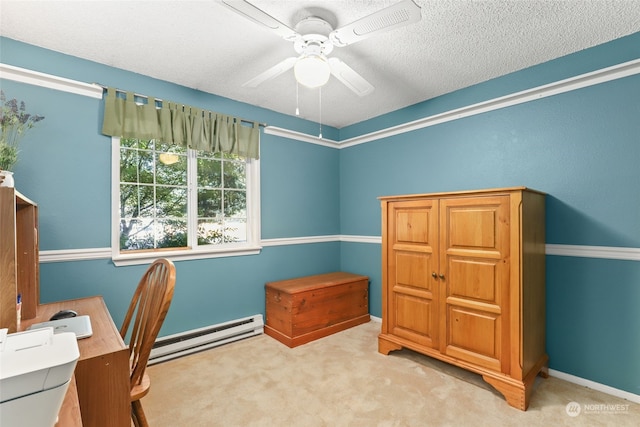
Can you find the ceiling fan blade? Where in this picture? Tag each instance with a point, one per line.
(349, 77)
(395, 16)
(249, 11)
(272, 72)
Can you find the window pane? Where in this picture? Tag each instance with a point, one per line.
(128, 201)
(209, 174)
(235, 203)
(209, 232)
(140, 234)
(128, 165)
(171, 202)
(136, 201)
(145, 144)
(136, 166)
(163, 146)
(129, 142)
(209, 203)
(136, 234)
(236, 229)
(209, 155)
(234, 174)
(171, 233)
(171, 170)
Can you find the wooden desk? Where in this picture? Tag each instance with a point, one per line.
(102, 372)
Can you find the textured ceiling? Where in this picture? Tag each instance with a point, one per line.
(206, 46)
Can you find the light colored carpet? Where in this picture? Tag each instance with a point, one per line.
(342, 380)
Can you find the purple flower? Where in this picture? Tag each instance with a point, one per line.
(14, 122)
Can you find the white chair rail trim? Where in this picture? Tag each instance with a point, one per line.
(600, 252)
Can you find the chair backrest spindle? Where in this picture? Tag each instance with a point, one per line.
(148, 309)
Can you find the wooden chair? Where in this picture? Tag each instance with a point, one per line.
(149, 305)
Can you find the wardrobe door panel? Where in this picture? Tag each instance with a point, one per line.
(411, 287)
(474, 242)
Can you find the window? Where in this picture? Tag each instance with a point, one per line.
(181, 203)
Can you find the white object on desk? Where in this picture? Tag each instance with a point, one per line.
(37, 366)
(79, 325)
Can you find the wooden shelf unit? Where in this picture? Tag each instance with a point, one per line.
(19, 260)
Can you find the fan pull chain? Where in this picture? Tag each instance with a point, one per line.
(297, 109)
(320, 108)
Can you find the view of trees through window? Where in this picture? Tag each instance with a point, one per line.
(157, 208)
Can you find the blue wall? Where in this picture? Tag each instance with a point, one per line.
(582, 148)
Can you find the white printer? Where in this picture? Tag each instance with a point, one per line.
(35, 369)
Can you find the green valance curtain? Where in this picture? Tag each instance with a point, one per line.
(179, 124)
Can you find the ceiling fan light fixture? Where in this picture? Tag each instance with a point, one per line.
(312, 71)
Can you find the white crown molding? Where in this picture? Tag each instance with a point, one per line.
(49, 81)
(299, 136)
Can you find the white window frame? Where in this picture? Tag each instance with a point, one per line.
(251, 247)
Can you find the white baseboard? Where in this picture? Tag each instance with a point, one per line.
(595, 386)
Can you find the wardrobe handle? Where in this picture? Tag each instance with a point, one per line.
(435, 276)
(442, 276)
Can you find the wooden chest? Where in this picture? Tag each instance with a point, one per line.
(307, 308)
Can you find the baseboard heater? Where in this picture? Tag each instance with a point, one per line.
(177, 345)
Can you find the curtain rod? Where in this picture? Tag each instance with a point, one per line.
(160, 100)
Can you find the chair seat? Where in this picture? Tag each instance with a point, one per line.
(139, 391)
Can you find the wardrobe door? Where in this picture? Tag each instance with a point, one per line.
(412, 290)
(474, 262)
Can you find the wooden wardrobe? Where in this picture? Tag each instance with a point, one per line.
(463, 281)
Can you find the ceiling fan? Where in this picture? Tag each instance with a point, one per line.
(314, 39)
